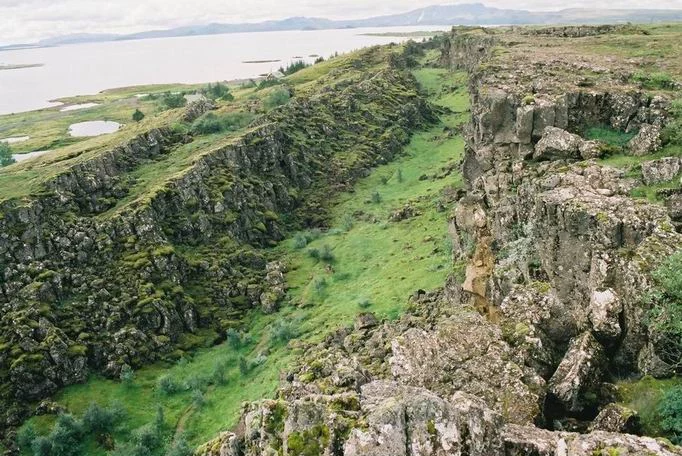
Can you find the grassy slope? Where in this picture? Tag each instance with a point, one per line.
(378, 261)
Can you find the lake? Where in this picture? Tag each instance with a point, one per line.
(92, 67)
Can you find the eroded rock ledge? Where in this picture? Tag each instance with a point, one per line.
(520, 358)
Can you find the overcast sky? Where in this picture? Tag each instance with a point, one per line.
(31, 20)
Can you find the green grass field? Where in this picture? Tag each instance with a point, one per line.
(377, 264)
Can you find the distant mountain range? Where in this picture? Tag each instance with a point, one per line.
(464, 14)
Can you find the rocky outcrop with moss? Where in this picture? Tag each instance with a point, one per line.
(520, 357)
(96, 277)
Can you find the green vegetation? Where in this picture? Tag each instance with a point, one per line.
(294, 67)
(645, 396)
(217, 91)
(277, 97)
(172, 100)
(138, 115)
(211, 122)
(363, 262)
(614, 138)
(5, 154)
(654, 80)
(666, 315)
(670, 410)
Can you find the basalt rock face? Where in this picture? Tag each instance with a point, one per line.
(92, 281)
(551, 305)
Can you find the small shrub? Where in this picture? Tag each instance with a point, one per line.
(282, 331)
(173, 100)
(66, 436)
(326, 254)
(399, 176)
(300, 241)
(217, 91)
(364, 303)
(138, 115)
(159, 419)
(243, 365)
(234, 338)
(383, 180)
(42, 446)
(218, 376)
(347, 222)
(211, 123)
(314, 254)
(655, 80)
(277, 97)
(26, 436)
(146, 439)
(5, 154)
(99, 420)
(167, 385)
(294, 67)
(198, 398)
(670, 410)
(665, 319)
(127, 375)
(180, 447)
(196, 382)
(319, 285)
(376, 198)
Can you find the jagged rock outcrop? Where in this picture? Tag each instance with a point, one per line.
(647, 141)
(100, 270)
(662, 170)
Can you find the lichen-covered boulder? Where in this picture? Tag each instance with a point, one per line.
(616, 418)
(405, 421)
(605, 310)
(647, 141)
(662, 170)
(467, 353)
(578, 373)
(197, 108)
(526, 440)
(557, 144)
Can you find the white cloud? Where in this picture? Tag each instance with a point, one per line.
(30, 20)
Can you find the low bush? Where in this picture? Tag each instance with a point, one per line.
(282, 331)
(5, 154)
(167, 385)
(277, 97)
(670, 411)
(173, 100)
(211, 123)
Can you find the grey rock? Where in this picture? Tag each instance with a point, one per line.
(647, 141)
(605, 310)
(662, 170)
(616, 418)
(579, 371)
(557, 144)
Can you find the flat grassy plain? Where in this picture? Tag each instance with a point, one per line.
(377, 264)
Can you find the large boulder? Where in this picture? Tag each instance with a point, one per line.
(616, 418)
(405, 421)
(647, 141)
(467, 353)
(526, 440)
(662, 170)
(557, 144)
(578, 373)
(605, 310)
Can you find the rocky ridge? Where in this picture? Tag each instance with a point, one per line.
(89, 284)
(518, 358)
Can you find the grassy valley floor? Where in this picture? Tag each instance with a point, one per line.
(367, 261)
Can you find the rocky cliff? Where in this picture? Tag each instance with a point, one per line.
(98, 275)
(519, 357)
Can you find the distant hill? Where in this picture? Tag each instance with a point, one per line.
(464, 14)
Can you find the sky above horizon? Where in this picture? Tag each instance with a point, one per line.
(24, 21)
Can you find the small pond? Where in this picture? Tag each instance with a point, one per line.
(93, 128)
(26, 156)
